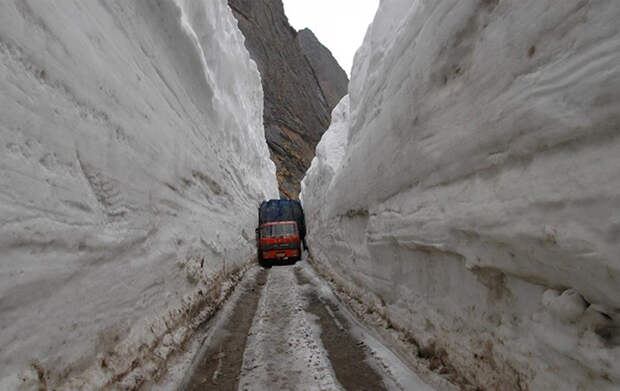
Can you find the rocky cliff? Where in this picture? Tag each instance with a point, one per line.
(296, 108)
(331, 77)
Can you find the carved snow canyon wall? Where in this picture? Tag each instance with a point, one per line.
(469, 187)
(132, 159)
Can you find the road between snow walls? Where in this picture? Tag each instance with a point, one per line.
(468, 188)
(132, 159)
(283, 329)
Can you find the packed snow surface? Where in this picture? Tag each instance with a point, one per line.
(284, 349)
(470, 188)
(132, 162)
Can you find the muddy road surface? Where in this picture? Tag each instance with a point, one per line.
(285, 330)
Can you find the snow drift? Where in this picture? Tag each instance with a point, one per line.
(471, 191)
(132, 162)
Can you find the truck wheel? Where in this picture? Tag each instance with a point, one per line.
(264, 263)
(297, 258)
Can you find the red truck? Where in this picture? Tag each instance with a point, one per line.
(281, 231)
(279, 241)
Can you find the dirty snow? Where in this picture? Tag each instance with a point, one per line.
(476, 201)
(284, 349)
(180, 368)
(132, 160)
(396, 374)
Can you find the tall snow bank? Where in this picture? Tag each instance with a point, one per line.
(476, 203)
(326, 162)
(132, 162)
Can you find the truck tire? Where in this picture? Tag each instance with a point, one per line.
(298, 258)
(263, 263)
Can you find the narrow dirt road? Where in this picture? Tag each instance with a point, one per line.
(286, 331)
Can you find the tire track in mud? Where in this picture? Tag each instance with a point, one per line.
(284, 332)
(346, 354)
(220, 366)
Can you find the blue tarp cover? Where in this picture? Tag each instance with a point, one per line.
(282, 210)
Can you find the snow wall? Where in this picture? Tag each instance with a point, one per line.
(132, 163)
(470, 189)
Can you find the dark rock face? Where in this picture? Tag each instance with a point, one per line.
(297, 112)
(332, 79)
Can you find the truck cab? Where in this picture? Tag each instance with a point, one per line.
(278, 241)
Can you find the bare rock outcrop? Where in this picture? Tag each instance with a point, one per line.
(297, 111)
(332, 78)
